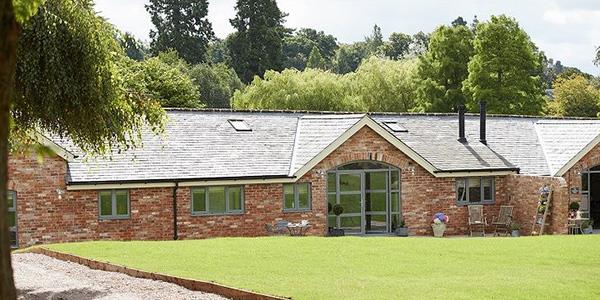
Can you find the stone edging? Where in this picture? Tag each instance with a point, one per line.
(191, 284)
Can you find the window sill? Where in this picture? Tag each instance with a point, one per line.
(476, 203)
(297, 210)
(114, 218)
(198, 214)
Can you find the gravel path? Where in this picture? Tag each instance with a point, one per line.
(41, 277)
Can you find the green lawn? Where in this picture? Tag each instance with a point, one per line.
(558, 267)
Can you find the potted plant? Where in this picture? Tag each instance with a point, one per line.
(586, 227)
(515, 227)
(439, 224)
(573, 209)
(337, 210)
(402, 230)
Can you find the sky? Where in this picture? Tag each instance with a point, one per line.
(566, 30)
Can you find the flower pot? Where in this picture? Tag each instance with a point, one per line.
(336, 232)
(438, 229)
(515, 233)
(588, 230)
(402, 231)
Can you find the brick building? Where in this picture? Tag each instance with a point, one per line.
(228, 173)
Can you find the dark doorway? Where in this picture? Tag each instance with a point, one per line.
(595, 198)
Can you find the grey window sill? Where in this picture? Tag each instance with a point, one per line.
(199, 214)
(476, 203)
(297, 210)
(114, 218)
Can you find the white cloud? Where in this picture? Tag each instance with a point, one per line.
(577, 16)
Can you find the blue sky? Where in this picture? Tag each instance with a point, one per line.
(568, 31)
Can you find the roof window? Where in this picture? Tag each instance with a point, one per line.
(239, 125)
(395, 126)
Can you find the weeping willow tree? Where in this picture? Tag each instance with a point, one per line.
(62, 71)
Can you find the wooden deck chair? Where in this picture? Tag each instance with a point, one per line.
(477, 221)
(503, 221)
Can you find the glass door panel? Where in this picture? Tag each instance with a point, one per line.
(351, 224)
(350, 182)
(376, 223)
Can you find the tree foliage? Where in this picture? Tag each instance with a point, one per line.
(398, 45)
(70, 79)
(134, 48)
(298, 46)
(315, 59)
(181, 25)
(256, 45)
(383, 85)
(216, 83)
(574, 96)
(443, 68)
(349, 57)
(504, 71)
(377, 85)
(166, 78)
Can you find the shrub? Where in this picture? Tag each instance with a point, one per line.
(338, 209)
(574, 206)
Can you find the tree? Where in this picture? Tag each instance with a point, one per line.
(420, 41)
(181, 25)
(375, 40)
(597, 58)
(218, 52)
(216, 83)
(134, 48)
(574, 96)
(398, 45)
(443, 68)
(349, 57)
(84, 94)
(312, 89)
(504, 69)
(256, 45)
(383, 85)
(315, 60)
(297, 47)
(459, 22)
(166, 77)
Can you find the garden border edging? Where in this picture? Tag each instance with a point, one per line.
(191, 284)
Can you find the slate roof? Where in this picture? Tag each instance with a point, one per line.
(201, 144)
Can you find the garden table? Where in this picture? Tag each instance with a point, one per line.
(297, 229)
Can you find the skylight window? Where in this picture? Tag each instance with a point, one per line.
(395, 127)
(240, 125)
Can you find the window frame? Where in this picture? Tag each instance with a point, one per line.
(207, 212)
(113, 197)
(465, 180)
(296, 207)
(14, 209)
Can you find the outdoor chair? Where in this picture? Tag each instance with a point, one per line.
(503, 221)
(477, 221)
(278, 229)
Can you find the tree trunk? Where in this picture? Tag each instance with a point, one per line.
(8, 53)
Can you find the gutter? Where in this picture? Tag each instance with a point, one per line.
(478, 170)
(146, 181)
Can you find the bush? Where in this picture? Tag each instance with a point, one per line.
(574, 206)
(515, 226)
(338, 209)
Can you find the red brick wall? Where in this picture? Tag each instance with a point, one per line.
(573, 175)
(43, 218)
(523, 193)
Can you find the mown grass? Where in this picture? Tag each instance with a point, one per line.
(549, 267)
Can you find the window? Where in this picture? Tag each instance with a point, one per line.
(114, 204)
(296, 197)
(240, 125)
(12, 217)
(475, 190)
(395, 127)
(218, 200)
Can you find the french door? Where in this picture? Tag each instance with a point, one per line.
(370, 199)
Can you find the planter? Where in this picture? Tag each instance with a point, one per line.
(438, 229)
(588, 230)
(515, 233)
(336, 232)
(402, 231)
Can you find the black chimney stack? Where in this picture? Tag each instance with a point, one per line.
(482, 119)
(461, 124)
